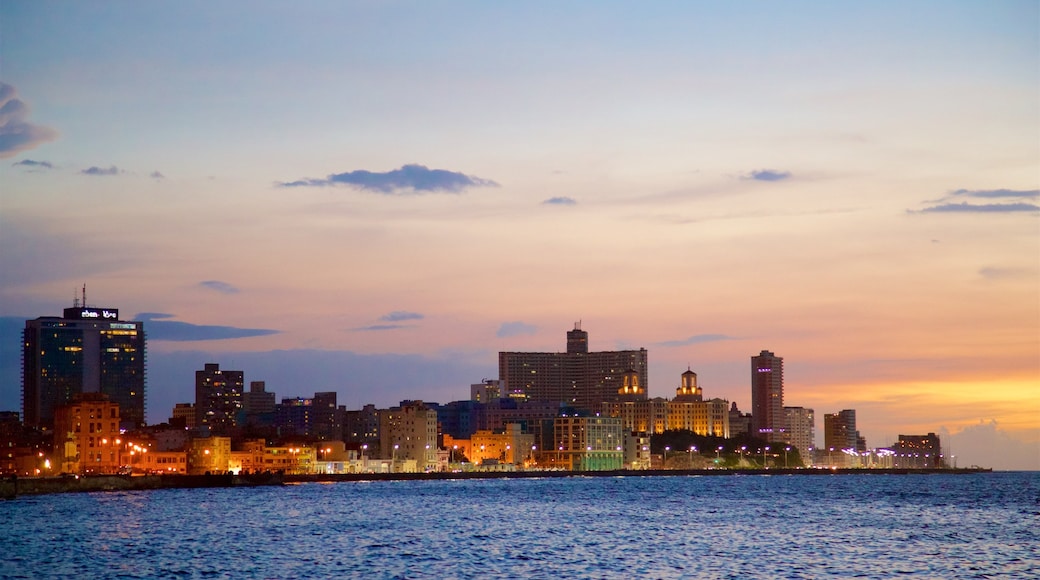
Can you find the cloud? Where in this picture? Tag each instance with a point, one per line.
(515, 328)
(411, 178)
(380, 327)
(995, 193)
(217, 285)
(696, 339)
(400, 315)
(113, 170)
(158, 328)
(767, 175)
(33, 163)
(980, 208)
(975, 445)
(156, 175)
(560, 201)
(16, 133)
(991, 273)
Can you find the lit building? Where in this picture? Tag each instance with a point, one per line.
(294, 416)
(183, 415)
(87, 350)
(408, 433)
(588, 443)
(801, 430)
(644, 416)
(508, 445)
(840, 437)
(218, 400)
(328, 417)
(86, 435)
(767, 397)
(918, 451)
(488, 390)
(362, 426)
(688, 411)
(209, 455)
(258, 401)
(577, 377)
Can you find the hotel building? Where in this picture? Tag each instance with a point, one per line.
(218, 400)
(577, 377)
(86, 350)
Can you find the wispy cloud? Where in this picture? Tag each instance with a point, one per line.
(997, 193)
(380, 327)
(992, 273)
(1017, 207)
(156, 175)
(16, 132)
(767, 175)
(560, 201)
(515, 328)
(1013, 201)
(113, 170)
(217, 285)
(696, 339)
(33, 163)
(158, 328)
(411, 178)
(400, 316)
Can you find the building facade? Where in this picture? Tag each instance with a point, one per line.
(408, 435)
(801, 430)
(577, 377)
(918, 451)
(218, 400)
(86, 435)
(588, 443)
(86, 350)
(767, 397)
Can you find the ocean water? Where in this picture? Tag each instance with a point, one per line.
(746, 526)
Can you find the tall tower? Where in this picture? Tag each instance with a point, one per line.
(86, 350)
(767, 397)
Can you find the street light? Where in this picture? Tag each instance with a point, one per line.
(664, 462)
(764, 457)
(393, 458)
(786, 449)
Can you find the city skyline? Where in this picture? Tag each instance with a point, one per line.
(383, 199)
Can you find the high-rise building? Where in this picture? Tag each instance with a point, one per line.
(767, 397)
(839, 430)
(258, 400)
(801, 430)
(487, 390)
(577, 377)
(86, 350)
(218, 400)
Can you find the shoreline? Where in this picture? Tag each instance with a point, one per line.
(11, 488)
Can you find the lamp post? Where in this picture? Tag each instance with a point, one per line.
(766, 448)
(664, 462)
(743, 448)
(786, 450)
(693, 449)
(364, 465)
(393, 458)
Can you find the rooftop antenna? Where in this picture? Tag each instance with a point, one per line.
(84, 295)
(75, 299)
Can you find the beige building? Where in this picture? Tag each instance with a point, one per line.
(509, 445)
(408, 436)
(801, 430)
(86, 435)
(688, 411)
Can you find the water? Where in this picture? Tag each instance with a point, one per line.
(874, 526)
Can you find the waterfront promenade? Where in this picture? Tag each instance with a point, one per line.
(13, 487)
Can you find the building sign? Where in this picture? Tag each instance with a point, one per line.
(92, 313)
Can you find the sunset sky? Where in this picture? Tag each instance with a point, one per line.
(377, 197)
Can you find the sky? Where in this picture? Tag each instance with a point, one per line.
(376, 198)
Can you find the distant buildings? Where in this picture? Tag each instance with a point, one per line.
(918, 451)
(767, 397)
(577, 377)
(218, 400)
(408, 436)
(86, 350)
(688, 411)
